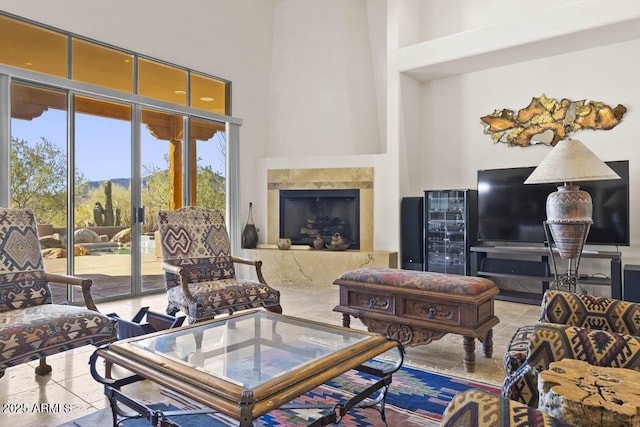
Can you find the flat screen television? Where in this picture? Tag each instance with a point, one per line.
(511, 211)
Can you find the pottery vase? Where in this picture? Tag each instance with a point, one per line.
(250, 233)
(318, 243)
(569, 212)
(283, 244)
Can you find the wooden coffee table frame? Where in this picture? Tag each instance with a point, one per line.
(230, 398)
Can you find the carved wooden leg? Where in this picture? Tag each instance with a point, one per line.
(346, 320)
(487, 344)
(43, 368)
(469, 345)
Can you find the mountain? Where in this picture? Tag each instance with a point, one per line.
(122, 182)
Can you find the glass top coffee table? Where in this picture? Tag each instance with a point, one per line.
(247, 364)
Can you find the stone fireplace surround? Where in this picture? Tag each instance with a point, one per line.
(311, 267)
(321, 179)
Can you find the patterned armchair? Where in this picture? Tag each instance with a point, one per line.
(199, 269)
(600, 331)
(476, 407)
(31, 326)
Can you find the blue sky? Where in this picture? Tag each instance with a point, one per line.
(103, 147)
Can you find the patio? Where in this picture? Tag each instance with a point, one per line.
(110, 272)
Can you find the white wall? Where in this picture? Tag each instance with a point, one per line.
(328, 95)
(440, 18)
(452, 145)
(452, 108)
(322, 94)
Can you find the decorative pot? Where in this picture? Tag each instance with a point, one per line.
(318, 243)
(569, 213)
(250, 233)
(284, 244)
(338, 243)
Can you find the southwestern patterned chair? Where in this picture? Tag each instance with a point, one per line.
(476, 408)
(600, 331)
(199, 269)
(31, 326)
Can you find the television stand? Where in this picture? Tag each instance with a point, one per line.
(538, 269)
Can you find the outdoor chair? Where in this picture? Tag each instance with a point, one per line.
(199, 269)
(31, 326)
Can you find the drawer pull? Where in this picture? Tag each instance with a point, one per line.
(432, 313)
(378, 303)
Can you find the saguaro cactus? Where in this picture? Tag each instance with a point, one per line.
(108, 205)
(98, 214)
(105, 216)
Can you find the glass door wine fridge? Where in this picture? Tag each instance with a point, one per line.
(450, 230)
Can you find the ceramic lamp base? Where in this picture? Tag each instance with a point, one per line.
(569, 213)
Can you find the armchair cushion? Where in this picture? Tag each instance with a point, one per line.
(551, 342)
(591, 312)
(22, 282)
(197, 240)
(38, 331)
(201, 270)
(222, 296)
(516, 352)
(23, 289)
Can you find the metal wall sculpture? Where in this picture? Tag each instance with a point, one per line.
(547, 121)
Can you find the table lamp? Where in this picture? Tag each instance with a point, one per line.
(569, 209)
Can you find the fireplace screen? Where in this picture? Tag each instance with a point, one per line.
(305, 214)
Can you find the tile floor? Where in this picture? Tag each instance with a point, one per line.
(70, 392)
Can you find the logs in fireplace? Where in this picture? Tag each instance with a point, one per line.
(305, 214)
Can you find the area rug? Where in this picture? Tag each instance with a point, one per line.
(416, 397)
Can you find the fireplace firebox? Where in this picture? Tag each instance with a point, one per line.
(305, 214)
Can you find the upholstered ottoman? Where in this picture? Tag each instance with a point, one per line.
(478, 408)
(417, 307)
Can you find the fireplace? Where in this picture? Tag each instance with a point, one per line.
(358, 179)
(305, 214)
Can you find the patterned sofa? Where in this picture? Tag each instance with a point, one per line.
(31, 326)
(600, 331)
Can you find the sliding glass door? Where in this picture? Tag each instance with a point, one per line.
(161, 136)
(116, 175)
(97, 169)
(96, 139)
(38, 172)
(102, 148)
(209, 156)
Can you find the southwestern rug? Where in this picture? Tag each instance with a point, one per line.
(416, 397)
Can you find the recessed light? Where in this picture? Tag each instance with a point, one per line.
(179, 92)
(207, 99)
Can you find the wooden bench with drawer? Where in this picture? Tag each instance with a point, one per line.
(417, 307)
